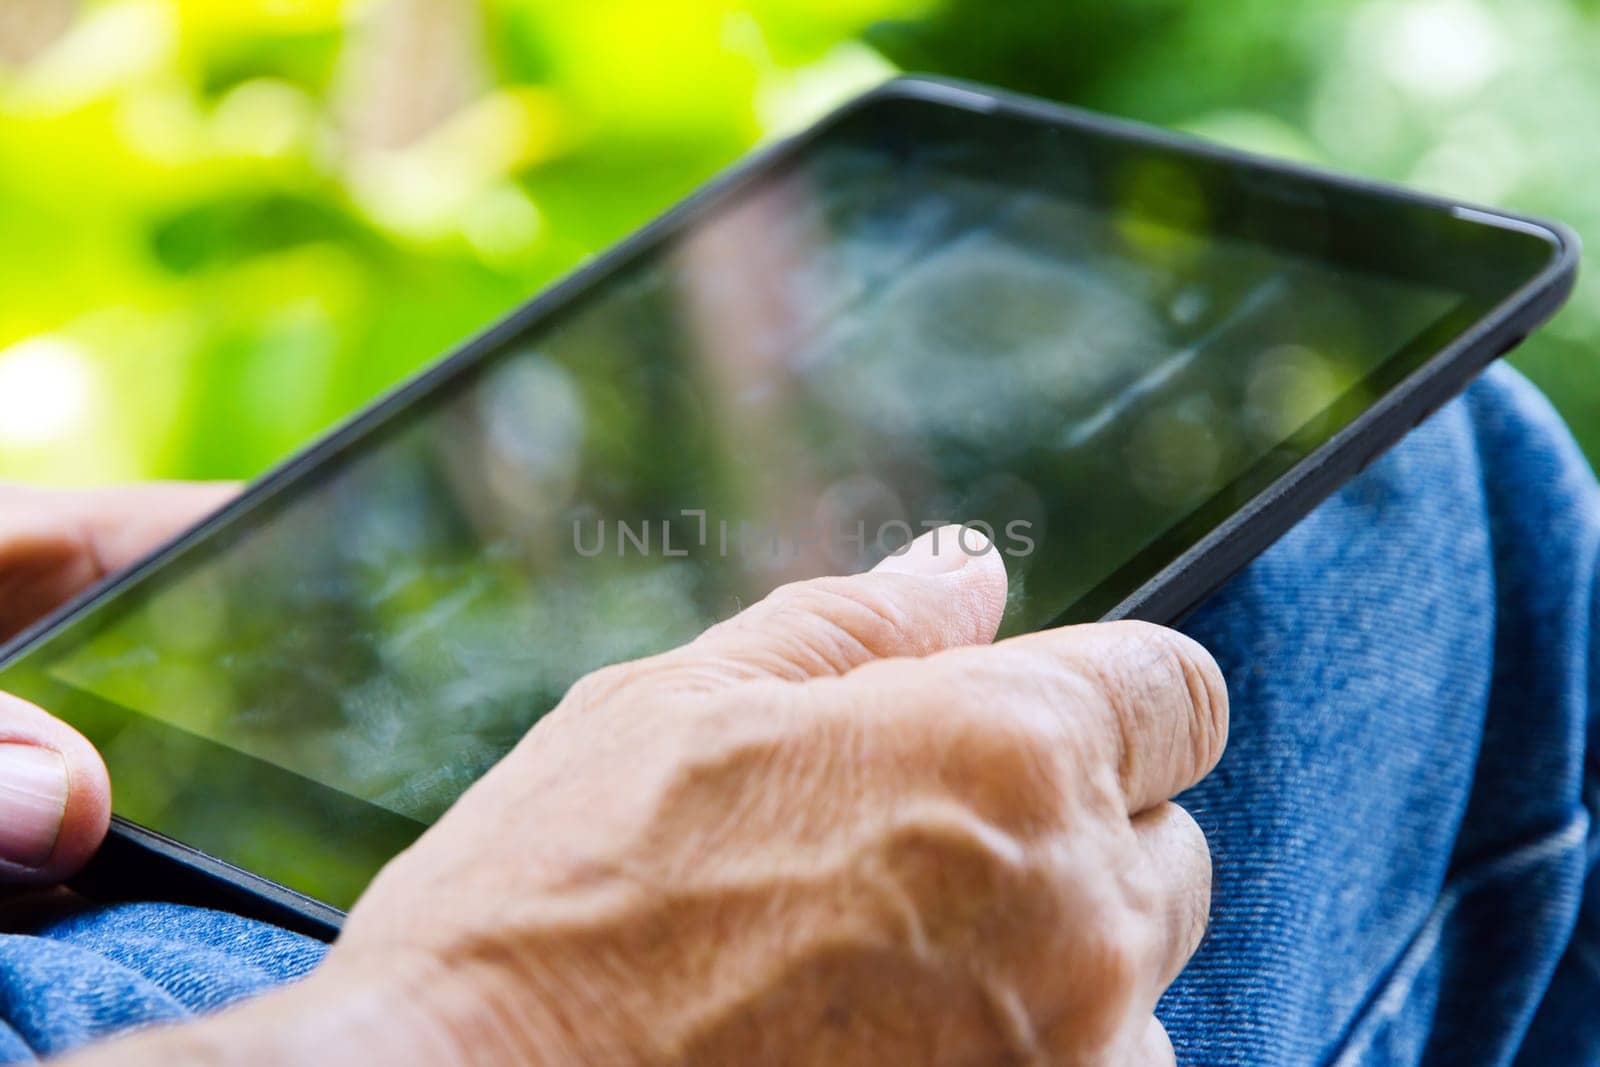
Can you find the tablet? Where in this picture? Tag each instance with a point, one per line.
(1130, 359)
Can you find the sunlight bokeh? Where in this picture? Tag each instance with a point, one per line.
(226, 224)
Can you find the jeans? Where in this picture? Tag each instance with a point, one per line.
(1401, 825)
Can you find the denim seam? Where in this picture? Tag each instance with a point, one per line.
(1391, 1001)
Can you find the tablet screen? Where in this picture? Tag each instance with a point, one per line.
(923, 315)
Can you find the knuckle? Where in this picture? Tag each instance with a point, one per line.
(973, 889)
(1006, 740)
(1101, 976)
(1060, 700)
(1005, 758)
(1165, 662)
(1192, 669)
(949, 839)
(1116, 958)
(842, 621)
(1108, 974)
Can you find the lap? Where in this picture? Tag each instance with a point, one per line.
(1398, 825)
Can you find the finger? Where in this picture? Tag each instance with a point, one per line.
(118, 526)
(1161, 707)
(1152, 1046)
(54, 544)
(55, 796)
(947, 589)
(1174, 873)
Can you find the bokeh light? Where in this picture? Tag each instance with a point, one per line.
(244, 219)
(47, 391)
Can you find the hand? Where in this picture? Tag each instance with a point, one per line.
(55, 801)
(841, 828)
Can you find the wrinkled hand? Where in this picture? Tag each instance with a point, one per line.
(841, 828)
(54, 797)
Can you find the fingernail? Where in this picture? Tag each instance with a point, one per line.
(33, 800)
(942, 551)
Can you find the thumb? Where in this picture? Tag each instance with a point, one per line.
(947, 588)
(55, 796)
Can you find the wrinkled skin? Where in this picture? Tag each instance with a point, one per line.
(839, 830)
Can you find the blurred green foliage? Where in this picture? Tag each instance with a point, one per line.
(226, 224)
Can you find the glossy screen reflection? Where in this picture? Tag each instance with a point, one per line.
(864, 345)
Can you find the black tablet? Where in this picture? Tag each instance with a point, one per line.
(1131, 359)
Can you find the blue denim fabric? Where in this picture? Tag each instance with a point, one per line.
(90, 975)
(1399, 831)
(1401, 841)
